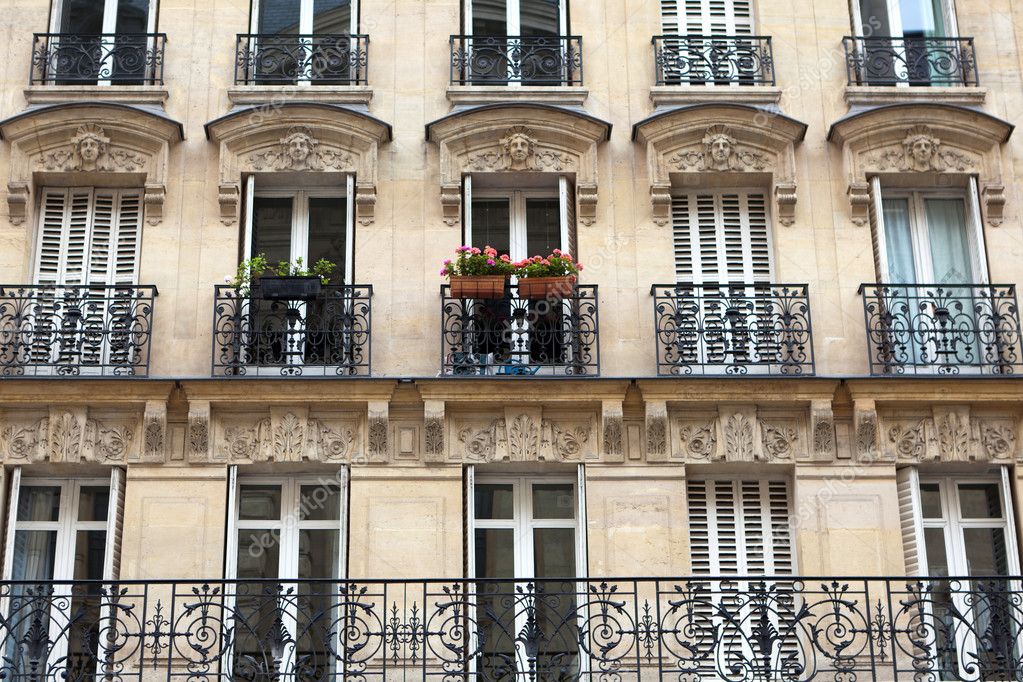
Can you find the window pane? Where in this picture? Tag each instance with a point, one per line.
(327, 223)
(491, 224)
(132, 16)
(258, 553)
(490, 17)
(554, 552)
(553, 501)
(539, 17)
(320, 503)
(90, 551)
(922, 18)
(39, 503)
(874, 17)
(930, 500)
(82, 16)
(260, 502)
(980, 501)
(949, 244)
(937, 556)
(898, 241)
(34, 552)
(93, 503)
(271, 228)
(985, 551)
(279, 16)
(318, 554)
(495, 553)
(332, 16)
(494, 501)
(543, 226)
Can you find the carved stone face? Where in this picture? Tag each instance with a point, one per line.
(720, 149)
(922, 150)
(299, 148)
(518, 148)
(89, 148)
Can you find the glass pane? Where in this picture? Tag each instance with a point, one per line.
(922, 18)
(540, 17)
(930, 500)
(898, 241)
(495, 501)
(980, 501)
(279, 16)
(874, 17)
(34, 552)
(491, 224)
(132, 16)
(271, 228)
(332, 16)
(82, 17)
(257, 608)
(327, 223)
(90, 550)
(985, 551)
(949, 244)
(554, 552)
(543, 226)
(318, 554)
(38, 503)
(258, 553)
(259, 502)
(553, 501)
(93, 503)
(320, 503)
(489, 17)
(937, 557)
(495, 553)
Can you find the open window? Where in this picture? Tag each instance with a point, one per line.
(104, 41)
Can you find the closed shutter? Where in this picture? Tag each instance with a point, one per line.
(911, 520)
(712, 17)
(566, 198)
(669, 17)
(721, 237)
(877, 235)
(1011, 539)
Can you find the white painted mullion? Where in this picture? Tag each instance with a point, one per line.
(107, 43)
(288, 571)
(898, 47)
(305, 28)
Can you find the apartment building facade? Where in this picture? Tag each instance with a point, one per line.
(771, 432)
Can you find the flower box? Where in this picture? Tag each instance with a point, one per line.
(276, 288)
(478, 286)
(541, 288)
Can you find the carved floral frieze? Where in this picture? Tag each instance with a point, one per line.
(524, 437)
(70, 435)
(289, 436)
(952, 435)
(739, 435)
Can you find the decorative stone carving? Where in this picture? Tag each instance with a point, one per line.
(17, 201)
(565, 441)
(378, 436)
(434, 431)
(243, 443)
(613, 435)
(155, 424)
(480, 444)
(523, 437)
(288, 438)
(823, 430)
(298, 150)
(90, 150)
(739, 438)
(24, 441)
(998, 440)
(720, 152)
(698, 441)
(920, 152)
(778, 441)
(64, 436)
(954, 437)
(113, 443)
(909, 441)
(199, 431)
(334, 444)
(518, 151)
(866, 434)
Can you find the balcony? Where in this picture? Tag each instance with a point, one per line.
(97, 59)
(713, 60)
(942, 328)
(68, 331)
(327, 334)
(737, 329)
(517, 337)
(516, 60)
(307, 59)
(753, 629)
(910, 61)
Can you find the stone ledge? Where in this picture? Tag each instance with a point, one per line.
(489, 94)
(125, 94)
(329, 94)
(874, 95)
(668, 95)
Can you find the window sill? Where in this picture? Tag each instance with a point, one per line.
(128, 94)
(873, 95)
(671, 95)
(329, 94)
(489, 94)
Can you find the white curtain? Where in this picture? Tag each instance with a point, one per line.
(949, 242)
(898, 241)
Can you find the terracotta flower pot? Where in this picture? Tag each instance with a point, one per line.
(539, 288)
(478, 286)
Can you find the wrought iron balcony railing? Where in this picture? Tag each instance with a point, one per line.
(328, 334)
(713, 60)
(733, 329)
(525, 60)
(884, 60)
(317, 59)
(65, 330)
(511, 336)
(740, 629)
(942, 328)
(107, 58)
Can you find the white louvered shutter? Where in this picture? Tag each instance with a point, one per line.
(714, 17)
(566, 199)
(721, 237)
(115, 522)
(911, 519)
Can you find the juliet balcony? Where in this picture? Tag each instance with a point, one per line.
(516, 60)
(942, 329)
(319, 331)
(885, 60)
(69, 331)
(513, 336)
(713, 60)
(733, 329)
(97, 59)
(740, 629)
(301, 59)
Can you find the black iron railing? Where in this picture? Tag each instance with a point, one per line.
(327, 334)
(742, 629)
(115, 58)
(529, 60)
(511, 336)
(713, 60)
(886, 60)
(48, 330)
(733, 329)
(942, 328)
(318, 59)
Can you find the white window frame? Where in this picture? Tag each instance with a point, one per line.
(517, 228)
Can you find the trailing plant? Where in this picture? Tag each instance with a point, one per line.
(257, 266)
(557, 264)
(470, 261)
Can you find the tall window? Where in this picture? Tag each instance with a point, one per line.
(92, 17)
(518, 42)
(525, 531)
(911, 19)
(722, 237)
(102, 41)
(707, 17)
(304, 41)
(910, 42)
(499, 18)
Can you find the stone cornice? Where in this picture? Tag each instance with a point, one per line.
(297, 391)
(958, 390)
(735, 390)
(82, 391)
(501, 391)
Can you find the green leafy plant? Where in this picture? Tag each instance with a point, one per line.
(257, 266)
(471, 261)
(557, 264)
